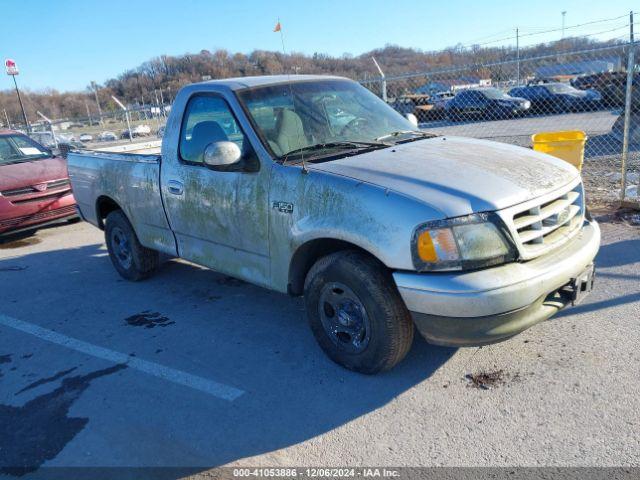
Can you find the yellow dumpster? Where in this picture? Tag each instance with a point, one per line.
(567, 145)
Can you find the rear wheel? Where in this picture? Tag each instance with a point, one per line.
(356, 312)
(132, 261)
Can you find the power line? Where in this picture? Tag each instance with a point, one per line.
(553, 30)
(603, 20)
(485, 37)
(626, 26)
(574, 26)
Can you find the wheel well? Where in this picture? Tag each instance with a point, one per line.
(104, 206)
(307, 254)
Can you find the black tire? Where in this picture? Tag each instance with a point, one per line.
(132, 261)
(388, 324)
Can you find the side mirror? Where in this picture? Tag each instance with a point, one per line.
(412, 119)
(222, 154)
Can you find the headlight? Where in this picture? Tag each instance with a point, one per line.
(462, 243)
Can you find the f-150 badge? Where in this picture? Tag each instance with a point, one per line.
(283, 207)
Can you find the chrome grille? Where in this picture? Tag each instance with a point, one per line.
(540, 226)
(55, 184)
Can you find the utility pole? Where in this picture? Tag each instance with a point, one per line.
(564, 14)
(94, 86)
(7, 118)
(50, 123)
(12, 70)
(24, 115)
(383, 82)
(157, 101)
(627, 109)
(126, 114)
(517, 58)
(88, 113)
(162, 102)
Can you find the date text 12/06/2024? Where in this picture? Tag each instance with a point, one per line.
(317, 472)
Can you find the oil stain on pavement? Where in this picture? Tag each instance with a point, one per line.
(39, 430)
(148, 319)
(20, 242)
(485, 380)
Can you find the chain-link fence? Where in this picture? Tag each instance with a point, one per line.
(589, 90)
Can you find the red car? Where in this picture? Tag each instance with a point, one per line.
(34, 185)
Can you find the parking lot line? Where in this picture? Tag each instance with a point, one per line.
(179, 377)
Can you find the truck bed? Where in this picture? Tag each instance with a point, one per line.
(130, 180)
(150, 147)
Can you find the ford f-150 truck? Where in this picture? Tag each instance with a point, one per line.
(312, 185)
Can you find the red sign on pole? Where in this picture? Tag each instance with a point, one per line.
(11, 67)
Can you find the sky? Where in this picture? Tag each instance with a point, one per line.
(65, 44)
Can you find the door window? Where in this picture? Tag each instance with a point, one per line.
(209, 119)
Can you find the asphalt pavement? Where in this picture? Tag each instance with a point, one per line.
(192, 368)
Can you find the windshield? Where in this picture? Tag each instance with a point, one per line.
(494, 93)
(561, 88)
(19, 148)
(293, 116)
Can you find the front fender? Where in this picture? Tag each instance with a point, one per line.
(329, 206)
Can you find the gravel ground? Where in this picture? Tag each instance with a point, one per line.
(564, 393)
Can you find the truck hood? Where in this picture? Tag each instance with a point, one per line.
(19, 175)
(457, 176)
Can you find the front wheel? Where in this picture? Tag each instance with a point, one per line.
(132, 261)
(356, 313)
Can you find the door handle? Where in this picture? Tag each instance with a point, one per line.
(175, 187)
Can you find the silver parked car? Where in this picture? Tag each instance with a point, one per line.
(380, 226)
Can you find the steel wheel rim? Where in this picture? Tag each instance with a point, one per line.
(344, 317)
(121, 247)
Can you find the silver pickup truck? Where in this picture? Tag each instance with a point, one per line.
(312, 185)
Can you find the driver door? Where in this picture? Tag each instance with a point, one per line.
(219, 215)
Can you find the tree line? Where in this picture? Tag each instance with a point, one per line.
(163, 76)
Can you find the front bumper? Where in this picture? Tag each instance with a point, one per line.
(486, 306)
(35, 214)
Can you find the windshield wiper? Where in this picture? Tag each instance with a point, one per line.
(398, 133)
(351, 145)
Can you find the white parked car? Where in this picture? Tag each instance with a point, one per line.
(142, 130)
(85, 137)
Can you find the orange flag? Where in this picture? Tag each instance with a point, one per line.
(278, 28)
